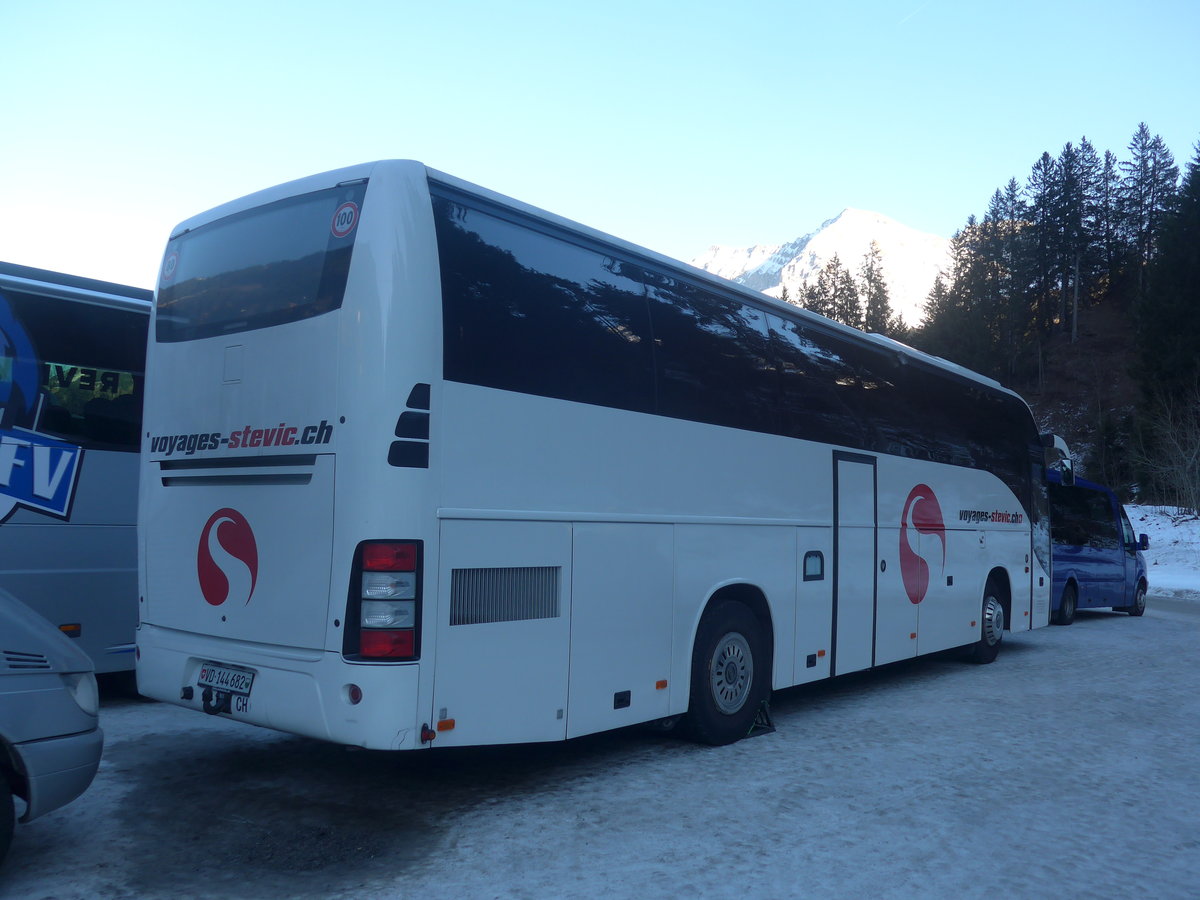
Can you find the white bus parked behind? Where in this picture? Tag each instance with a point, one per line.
(72, 354)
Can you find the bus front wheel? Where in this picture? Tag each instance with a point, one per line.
(729, 674)
(991, 627)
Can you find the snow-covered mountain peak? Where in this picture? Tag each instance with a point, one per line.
(911, 259)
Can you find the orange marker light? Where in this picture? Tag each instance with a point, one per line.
(445, 725)
(660, 685)
(820, 653)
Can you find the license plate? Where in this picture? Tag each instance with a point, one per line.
(225, 678)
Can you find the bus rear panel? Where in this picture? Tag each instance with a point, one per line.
(256, 507)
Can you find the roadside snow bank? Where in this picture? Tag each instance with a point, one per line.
(1173, 559)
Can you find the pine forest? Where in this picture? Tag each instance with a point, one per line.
(1079, 289)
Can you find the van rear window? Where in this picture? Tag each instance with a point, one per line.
(274, 264)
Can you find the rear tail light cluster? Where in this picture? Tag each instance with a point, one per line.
(385, 594)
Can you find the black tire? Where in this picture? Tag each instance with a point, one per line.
(730, 676)
(991, 627)
(1067, 606)
(7, 817)
(1139, 602)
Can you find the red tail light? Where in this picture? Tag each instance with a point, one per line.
(382, 644)
(389, 556)
(383, 618)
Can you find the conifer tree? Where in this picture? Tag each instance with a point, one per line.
(877, 306)
(937, 303)
(1168, 333)
(847, 307)
(810, 299)
(818, 297)
(1112, 248)
(956, 319)
(1168, 316)
(1002, 239)
(1074, 218)
(1091, 184)
(1147, 194)
(1042, 191)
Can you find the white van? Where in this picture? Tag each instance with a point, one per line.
(50, 737)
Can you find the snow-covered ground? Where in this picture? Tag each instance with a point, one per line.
(1173, 560)
(1066, 769)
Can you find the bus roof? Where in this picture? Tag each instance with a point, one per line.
(73, 287)
(882, 344)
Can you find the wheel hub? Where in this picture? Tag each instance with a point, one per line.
(993, 621)
(732, 673)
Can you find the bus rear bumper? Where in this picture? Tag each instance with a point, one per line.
(299, 691)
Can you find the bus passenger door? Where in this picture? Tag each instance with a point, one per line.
(854, 553)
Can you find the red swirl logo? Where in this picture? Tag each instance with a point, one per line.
(227, 557)
(923, 511)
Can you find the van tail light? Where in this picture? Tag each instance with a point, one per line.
(384, 610)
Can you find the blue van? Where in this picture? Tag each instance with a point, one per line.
(1097, 560)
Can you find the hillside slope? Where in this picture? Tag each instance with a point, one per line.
(1085, 391)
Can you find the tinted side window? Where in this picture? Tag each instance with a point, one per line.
(531, 311)
(896, 409)
(1127, 530)
(815, 400)
(1082, 517)
(525, 311)
(1104, 534)
(80, 376)
(713, 360)
(997, 431)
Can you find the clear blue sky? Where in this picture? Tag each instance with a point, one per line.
(675, 125)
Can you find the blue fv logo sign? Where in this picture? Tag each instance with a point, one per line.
(36, 471)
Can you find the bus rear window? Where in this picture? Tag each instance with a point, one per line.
(277, 263)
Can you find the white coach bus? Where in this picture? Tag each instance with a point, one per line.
(72, 351)
(425, 466)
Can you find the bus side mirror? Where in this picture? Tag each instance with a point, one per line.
(1058, 456)
(1144, 542)
(1066, 472)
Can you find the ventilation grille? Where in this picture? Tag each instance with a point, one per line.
(238, 470)
(503, 595)
(15, 659)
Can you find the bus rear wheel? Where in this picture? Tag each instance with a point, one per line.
(991, 627)
(729, 675)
